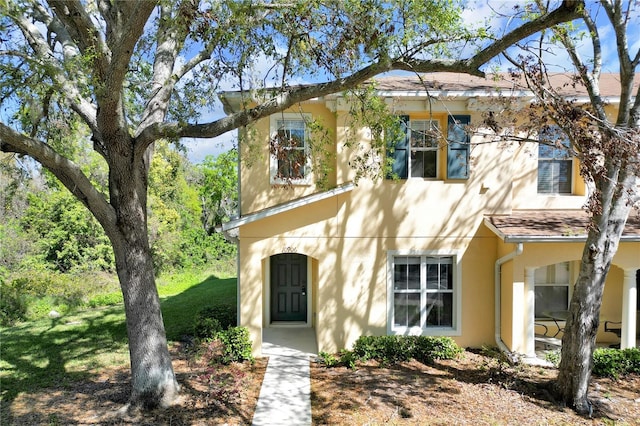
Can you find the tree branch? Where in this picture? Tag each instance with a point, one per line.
(86, 36)
(45, 58)
(567, 11)
(291, 96)
(65, 170)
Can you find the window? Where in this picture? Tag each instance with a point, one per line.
(423, 293)
(555, 163)
(415, 149)
(424, 148)
(288, 148)
(552, 288)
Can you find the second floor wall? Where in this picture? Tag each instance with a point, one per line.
(431, 197)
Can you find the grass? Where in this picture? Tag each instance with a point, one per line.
(56, 351)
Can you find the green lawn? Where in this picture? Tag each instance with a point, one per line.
(56, 351)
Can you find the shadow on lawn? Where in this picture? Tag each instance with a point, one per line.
(37, 355)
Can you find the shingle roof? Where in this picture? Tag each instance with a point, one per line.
(552, 225)
(454, 82)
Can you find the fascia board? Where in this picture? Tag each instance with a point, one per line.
(281, 208)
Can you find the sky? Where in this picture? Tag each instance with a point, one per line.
(492, 13)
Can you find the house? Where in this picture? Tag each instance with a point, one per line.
(477, 241)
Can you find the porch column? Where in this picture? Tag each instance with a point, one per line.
(529, 311)
(629, 289)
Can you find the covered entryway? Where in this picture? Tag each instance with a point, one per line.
(289, 287)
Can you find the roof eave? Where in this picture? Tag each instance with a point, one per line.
(281, 208)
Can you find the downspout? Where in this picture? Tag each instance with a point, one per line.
(497, 275)
(239, 209)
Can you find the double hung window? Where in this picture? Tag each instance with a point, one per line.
(424, 149)
(555, 164)
(288, 148)
(415, 149)
(423, 293)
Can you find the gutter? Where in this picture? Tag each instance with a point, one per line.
(497, 274)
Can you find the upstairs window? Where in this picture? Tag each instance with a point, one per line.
(552, 289)
(288, 149)
(424, 148)
(415, 149)
(555, 164)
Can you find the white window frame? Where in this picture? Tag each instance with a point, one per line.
(430, 125)
(564, 156)
(456, 328)
(554, 283)
(273, 160)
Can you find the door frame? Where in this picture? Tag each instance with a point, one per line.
(266, 298)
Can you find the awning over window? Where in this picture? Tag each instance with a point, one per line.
(551, 226)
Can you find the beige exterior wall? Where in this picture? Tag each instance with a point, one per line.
(349, 238)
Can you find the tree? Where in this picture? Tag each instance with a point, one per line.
(609, 151)
(218, 193)
(136, 72)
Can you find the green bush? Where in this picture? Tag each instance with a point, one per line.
(224, 314)
(395, 349)
(206, 328)
(237, 345)
(107, 299)
(13, 305)
(32, 294)
(428, 349)
(608, 362)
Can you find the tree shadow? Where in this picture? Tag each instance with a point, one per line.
(44, 354)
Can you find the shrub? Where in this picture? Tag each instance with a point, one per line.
(224, 313)
(108, 299)
(615, 362)
(428, 349)
(206, 328)
(213, 319)
(395, 349)
(237, 345)
(13, 305)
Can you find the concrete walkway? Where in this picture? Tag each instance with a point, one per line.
(285, 396)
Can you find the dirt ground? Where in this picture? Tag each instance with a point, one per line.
(475, 389)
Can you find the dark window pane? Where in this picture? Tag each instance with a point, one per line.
(406, 307)
(551, 298)
(423, 164)
(440, 310)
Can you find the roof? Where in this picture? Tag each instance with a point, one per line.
(463, 83)
(552, 226)
(290, 205)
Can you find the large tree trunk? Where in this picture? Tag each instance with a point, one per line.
(579, 339)
(153, 381)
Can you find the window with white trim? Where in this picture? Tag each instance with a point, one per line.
(289, 148)
(552, 289)
(423, 293)
(415, 147)
(555, 162)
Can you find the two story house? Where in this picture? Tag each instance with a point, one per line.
(474, 240)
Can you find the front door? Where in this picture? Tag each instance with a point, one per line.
(289, 287)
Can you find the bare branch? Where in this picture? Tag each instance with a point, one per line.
(567, 11)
